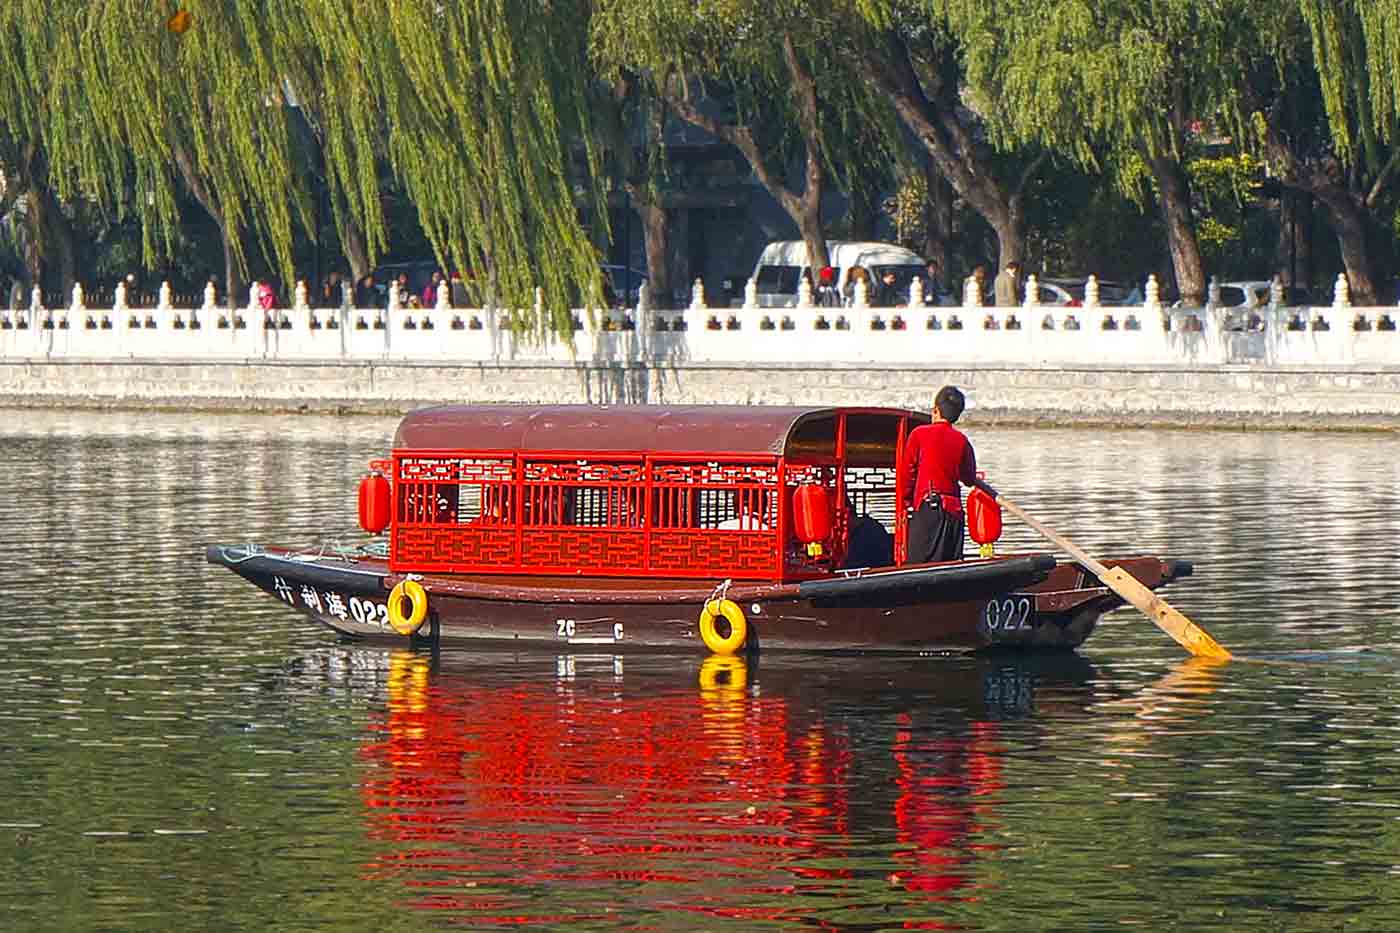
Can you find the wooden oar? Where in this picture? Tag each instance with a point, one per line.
(1187, 633)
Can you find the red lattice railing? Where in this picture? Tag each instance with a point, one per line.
(559, 513)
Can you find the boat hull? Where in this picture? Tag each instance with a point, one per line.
(1013, 602)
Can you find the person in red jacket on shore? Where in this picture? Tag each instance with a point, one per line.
(937, 457)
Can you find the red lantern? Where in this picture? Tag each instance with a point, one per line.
(983, 517)
(811, 516)
(374, 503)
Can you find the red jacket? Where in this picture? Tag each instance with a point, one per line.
(936, 458)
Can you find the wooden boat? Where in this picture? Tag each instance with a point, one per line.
(666, 527)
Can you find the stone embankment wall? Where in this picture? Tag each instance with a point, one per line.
(1266, 367)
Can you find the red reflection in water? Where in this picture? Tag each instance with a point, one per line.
(945, 787)
(503, 802)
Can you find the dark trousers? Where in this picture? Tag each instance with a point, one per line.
(935, 535)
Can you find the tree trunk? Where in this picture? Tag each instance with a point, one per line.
(1293, 255)
(938, 222)
(34, 249)
(184, 162)
(59, 250)
(656, 235)
(804, 208)
(1349, 221)
(935, 120)
(1181, 230)
(352, 244)
(232, 284)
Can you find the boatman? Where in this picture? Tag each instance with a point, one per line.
(937, 457)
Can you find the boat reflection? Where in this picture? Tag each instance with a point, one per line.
(539, 789)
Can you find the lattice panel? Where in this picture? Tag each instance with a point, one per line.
(459, 547)
(593, 551)
(742, 555)
(574, 472)
(714, 474)
(456, 469)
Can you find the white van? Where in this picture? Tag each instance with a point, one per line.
(780, 267)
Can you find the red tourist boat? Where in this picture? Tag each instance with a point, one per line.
(732, 527)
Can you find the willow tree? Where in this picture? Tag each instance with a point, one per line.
(907, 51)
(1127, 77)
(477, 105)
(760, 76)
(1326, 107)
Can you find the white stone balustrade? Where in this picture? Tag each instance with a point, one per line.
(1030, 335)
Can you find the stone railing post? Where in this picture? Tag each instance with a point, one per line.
(860, 295)
(1091, 292)
(1213, 293)
(164, 304)
(301, 301)
(211, 298)
(972, 293)
(1032, 292)
(79, 304)
(750, 295)
(1341, 292)
(1276, 296)
(1152, 293)
(119, 298)
(697, 296)
(444, 297)
(804, 293)
(916, 292)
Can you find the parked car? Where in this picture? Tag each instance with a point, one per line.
(781, 265)
(1056, 296)
(1254, 294)
(1110, 292)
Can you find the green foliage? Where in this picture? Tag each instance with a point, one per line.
(474, 104)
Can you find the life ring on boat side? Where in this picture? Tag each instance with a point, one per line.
(729, 611)
(417, 597)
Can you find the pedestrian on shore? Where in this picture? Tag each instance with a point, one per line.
(886, 293)
(366, 295)
(938, 457)
(827, 296)
(430, 290)
(459, 291)
(857, 274)
(330, 291)
(267, 298)
(935, 293)
(1008, 286)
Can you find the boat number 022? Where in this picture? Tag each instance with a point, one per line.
(1012, 614)
(368, 612)
(568, 628)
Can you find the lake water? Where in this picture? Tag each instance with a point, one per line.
(178, 751)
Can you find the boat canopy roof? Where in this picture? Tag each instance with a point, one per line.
(732, 430)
